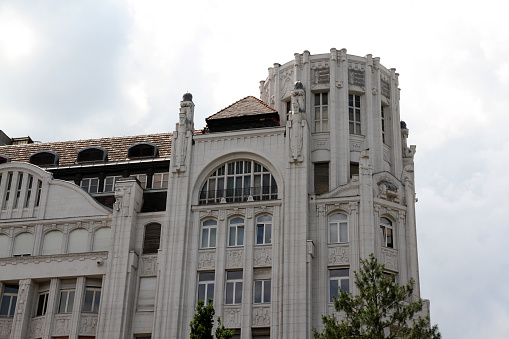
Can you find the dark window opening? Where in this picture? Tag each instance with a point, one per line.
(321, 177)
(90, 154)
(144, 150)
(152, 238)
(4, 159)
(354, 169)
(44, 158)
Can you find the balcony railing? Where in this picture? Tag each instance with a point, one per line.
(238, 195)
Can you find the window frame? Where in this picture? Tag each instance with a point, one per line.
(34, 156)
(385, 235)
(339, 279)
(264, 226)
(337, 224)
(142, 146)
(91, 149)
(354, 114)
(209, 285)
(13, 298)
(321, 123)
(96, 295)
(208, 228)
(69, 305)
(262, 285)
(160, 180)
(113, 179)
(233, 296)
(86, 184)
(42, 308)
(233, 225)
(149, 249)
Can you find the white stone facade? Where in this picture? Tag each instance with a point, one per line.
(335, 184)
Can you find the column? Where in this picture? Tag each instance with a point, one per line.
(23, 313)
(247, 293)
(52, 307)
(78, 305)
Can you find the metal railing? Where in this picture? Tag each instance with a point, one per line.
(238, 195)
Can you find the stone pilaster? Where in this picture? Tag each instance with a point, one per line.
(366, 222)
(52, 307)
(23, 313)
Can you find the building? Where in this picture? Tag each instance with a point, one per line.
(267, 210)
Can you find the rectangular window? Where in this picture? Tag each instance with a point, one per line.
(142, 178)
(9, 298)
(321, 112)
(92, 299)
(382, 109)
(7, 191)
(261, 291)
(288, 108)
(321, 177)
(66, 301)
(18, 190)
(160, 180)
(206, 286)
(233, 287)
(29, 190)
(354, 113)
(147, 294)
(208, 234)
(338, 279)
(109, 183)
(39, 191)
(236, 232)
(42, 303)
(354, 169)
(90, 185)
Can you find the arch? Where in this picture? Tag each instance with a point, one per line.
(102, 239)
(23, 244)
(52, 243)
(152, 238)
(208, 233)
(264, 229)
(92, 154)
(142, 150)
(4, 159)
(44, 158)
(237, 181)
(386, 232)
(237, 155)
(4, 245)
(338, 228)
(78, 241)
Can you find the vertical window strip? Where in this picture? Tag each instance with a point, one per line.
(382, 110)
(39, 190)
(18, 189)
(321, 112)
(29, 190)
(7, 190)
(354, 113)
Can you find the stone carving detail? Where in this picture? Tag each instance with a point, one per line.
(261, 316)
(320, 210)
(232, 317)
(385, 88)
(388, 191)
(297, 122)
(122, 196)
(234, 258)
(338, 255)
(5, 328)
(148, 266)
(286, 82)
(88, 324)
(207, 259)
(222, 214)
(320, 73)
(36, 327)
(356, 77)
(390, 258)
(183, 133)
(263, 256)
(62, 325)
(263, 209)
(55, 257)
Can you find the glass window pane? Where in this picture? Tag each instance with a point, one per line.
(229, 293)
(258, 292)
(207, 276)
(342, 272)
(333, 233)
(240, 236)
(259, 234)
(210, 291)
(343, 232)
(204, 237)
(233, 275)
(266, 292)
(238, 292)
(63, 302)
(97, 300)
(4, 307)
(345, 285)
(70, 301)
(268, 233)
(232, 236)
(212, 237)
(333, 285)
(201, 292)
(87, 303)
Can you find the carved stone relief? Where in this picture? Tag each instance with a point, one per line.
(208, 213)
(320, 73)
(148, 266)
(390, 258)
(234, 258)
(207, 259)
(88, 324)
(286, 82)
(122, 196)
(62, 325)
(263, 256)
(338, 255)
(232, 317)
(36, 327)
(356, 77)
(5, 328)
(261, 316)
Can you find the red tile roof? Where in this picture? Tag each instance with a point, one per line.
(68, 150)
(244, 107)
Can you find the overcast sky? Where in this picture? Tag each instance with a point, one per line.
(86, 69)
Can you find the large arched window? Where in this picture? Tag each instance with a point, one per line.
(78, 241)
(23, 245)
(102, 239)
(386, 233)
(238, 181)
(338, 228)
(152, 238)
(208, 233)
(44, 158)
(52, 243)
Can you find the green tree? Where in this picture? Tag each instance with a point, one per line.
(381, 306)
(203, 322)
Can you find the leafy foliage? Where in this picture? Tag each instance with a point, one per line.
(380, 310)
(203, 322)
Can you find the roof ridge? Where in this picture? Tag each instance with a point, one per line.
(238, 101)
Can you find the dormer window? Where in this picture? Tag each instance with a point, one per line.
(92, 154)
(142, 150)
(44, 158)
(4, 159)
